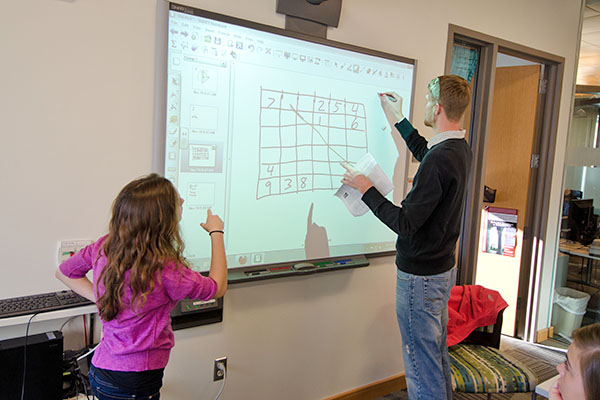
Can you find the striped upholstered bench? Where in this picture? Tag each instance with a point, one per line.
(484, 369)
(478, 366)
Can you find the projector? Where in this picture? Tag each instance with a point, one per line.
(595, 248)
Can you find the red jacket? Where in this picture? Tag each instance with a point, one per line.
(470, 307)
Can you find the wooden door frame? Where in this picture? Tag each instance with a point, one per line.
(546, 130)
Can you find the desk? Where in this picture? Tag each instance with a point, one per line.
(579, 250)
(543, 388)
(23, 319)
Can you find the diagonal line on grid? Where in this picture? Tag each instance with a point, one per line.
(324, 141)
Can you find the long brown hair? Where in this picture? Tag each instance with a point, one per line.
(587, 340)
(143, 234)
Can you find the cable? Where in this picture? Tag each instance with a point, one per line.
(88, 353)
(87, 396)
(79, 369)
(25, 357)
(222, 369)
(72, 370)
(85, 340)
(66, 322)
(80, 375)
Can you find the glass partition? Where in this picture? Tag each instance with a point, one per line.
(576, 298)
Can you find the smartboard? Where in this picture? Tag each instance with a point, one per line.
(258, 120)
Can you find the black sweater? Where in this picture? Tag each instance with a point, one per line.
(428, 221)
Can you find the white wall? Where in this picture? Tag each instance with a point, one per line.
(76, 104)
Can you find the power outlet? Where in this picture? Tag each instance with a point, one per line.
(217, 373)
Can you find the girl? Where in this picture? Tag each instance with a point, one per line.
(580, 373)
(139, 275)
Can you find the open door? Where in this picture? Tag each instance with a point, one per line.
(508, 171)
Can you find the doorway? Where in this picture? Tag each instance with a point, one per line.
(512, 130)
(508, 176)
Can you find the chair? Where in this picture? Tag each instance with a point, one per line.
(478, 366)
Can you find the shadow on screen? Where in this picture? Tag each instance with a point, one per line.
(316, 243)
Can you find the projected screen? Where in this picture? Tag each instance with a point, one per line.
(257, 123)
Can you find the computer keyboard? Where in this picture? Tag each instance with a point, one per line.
(38, 303)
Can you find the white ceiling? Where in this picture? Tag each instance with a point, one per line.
(588, 72)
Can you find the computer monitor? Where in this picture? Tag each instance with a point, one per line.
(570, 194)
(580, 215)
(576, 194)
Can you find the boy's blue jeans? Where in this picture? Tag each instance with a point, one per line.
(422, 311)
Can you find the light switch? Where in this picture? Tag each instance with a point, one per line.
(69, 248)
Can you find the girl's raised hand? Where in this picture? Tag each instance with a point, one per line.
(213, 222)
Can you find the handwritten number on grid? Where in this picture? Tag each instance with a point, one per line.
(303, 182)
(321, 104)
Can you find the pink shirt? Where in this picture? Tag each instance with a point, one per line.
(139, 341)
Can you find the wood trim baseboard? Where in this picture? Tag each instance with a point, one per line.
(373, 390)
(542, 335)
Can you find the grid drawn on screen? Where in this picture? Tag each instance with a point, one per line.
(303, 138)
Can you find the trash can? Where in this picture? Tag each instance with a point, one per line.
(568, 310)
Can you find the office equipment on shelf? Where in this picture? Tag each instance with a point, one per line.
(41, 356)
(37, 303)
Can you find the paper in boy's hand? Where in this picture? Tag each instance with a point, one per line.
(352, 197)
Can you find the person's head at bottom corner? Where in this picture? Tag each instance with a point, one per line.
(580, 373)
